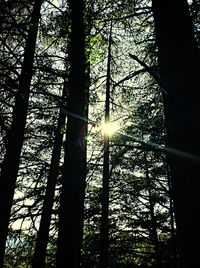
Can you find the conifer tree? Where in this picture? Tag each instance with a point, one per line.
(10, 164)
(70, 228)
(179, 65)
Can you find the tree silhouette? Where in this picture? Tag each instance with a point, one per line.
(179, 70)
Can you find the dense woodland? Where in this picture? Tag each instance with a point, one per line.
(73, 191)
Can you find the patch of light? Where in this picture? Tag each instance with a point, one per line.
(110, 128)
(55, 2)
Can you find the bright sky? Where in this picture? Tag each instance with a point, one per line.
(55, 2)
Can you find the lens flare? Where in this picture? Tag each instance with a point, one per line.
(110, 128)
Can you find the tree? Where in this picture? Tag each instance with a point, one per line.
(74, 168)
(140, 229)
(16, 133)
(179, 70)
(43, 233)
(104, 232)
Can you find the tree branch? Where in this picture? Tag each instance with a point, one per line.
(151, 72)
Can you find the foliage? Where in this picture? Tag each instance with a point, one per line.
(140, 194)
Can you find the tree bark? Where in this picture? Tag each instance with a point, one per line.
(71, 212)
(10, 164)
(180, 71)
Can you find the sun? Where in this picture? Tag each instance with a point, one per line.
(110, 128)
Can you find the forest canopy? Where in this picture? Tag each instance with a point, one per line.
(99, 133)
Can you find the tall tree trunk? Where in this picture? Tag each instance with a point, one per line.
(74, 169)
(104, 231)
(180, 72)
(10, 164)
(43, 233)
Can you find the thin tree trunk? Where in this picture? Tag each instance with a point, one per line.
(10, 164)
(43, 233)
(180, 71)
(154, 233)
(172, 222)
(104, 231)
(71, 211)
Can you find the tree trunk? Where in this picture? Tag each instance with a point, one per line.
(180, 72)
(74, 169)
(104, 231)
(153, 225)
(172, 222)
(43, 233)
(10, 164)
